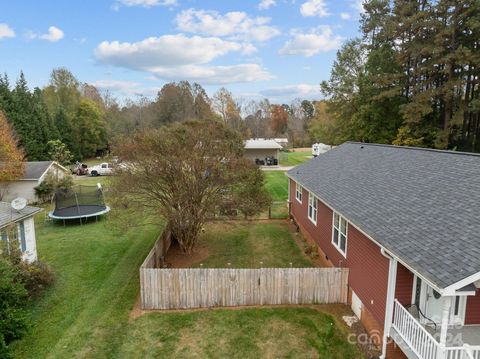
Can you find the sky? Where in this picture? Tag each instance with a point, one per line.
(275, 49)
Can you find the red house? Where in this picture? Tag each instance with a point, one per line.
(406, 222)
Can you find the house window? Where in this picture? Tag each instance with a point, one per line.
(312, 208)
(298, 192)
(339, 235)
(21, 232)
(3, 235)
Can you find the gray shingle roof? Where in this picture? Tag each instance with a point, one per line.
(35, 169)
(422, 205)
(9, 215)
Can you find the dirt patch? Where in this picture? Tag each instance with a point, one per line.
(304, 245)
(176, 258)
(337, 311)
(301, 149)
(136, 310)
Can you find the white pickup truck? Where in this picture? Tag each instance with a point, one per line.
(103, 169)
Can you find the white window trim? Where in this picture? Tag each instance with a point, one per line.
(311, 195)
(297, 187)
(344, 254)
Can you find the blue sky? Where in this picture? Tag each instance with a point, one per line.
(279, 49)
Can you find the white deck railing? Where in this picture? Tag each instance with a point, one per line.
(465, 352)
(422, 343)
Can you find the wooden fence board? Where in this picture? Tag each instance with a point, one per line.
(201, 287)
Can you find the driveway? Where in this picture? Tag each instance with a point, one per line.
(276, 168)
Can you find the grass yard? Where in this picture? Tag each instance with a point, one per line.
(247, 244)
(277, 184)
(88, 311)
(294, 158)
(245, 333)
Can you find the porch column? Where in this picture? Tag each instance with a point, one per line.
(447, 302)
(392, 281)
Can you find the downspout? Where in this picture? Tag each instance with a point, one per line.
(392, 278)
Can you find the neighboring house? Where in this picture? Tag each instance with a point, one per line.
(406, 222)
(20, 226)
(35, 173)
(260, 149)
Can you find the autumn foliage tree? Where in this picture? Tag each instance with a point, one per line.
(279, 119)
(11, 157)
(183, 173)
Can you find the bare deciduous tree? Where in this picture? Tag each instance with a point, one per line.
(185, 171)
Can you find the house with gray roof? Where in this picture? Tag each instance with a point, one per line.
(18, 226)
(35, 173)
(406, 222)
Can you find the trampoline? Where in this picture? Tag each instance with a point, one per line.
(80, 202)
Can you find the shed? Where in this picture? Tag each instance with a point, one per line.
(35, 173)
(260, 148)
(19, 225)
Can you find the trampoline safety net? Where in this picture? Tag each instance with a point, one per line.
(79, 201)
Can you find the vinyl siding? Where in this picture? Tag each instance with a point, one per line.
(368, 267)
(472, 311)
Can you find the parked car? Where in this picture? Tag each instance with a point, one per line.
(103, 169)
(79, 169)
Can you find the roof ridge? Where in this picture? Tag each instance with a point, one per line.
(427, 149)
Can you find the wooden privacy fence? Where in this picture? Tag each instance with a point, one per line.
(176, 288)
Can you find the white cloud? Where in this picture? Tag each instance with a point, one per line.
(175, 57)
(54, 34)
(314, 8)
(234, 25)
(148, 3)
(6, 31)
(319, 39)
(116, 85)
(266, 4)
(125, 88)
(345, 16)
(215, 75)
(304, 91)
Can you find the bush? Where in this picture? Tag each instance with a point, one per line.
(13, 314)
(47, 188)
(35, 276)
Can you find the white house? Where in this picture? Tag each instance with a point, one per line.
(20, 225)
(35, 173)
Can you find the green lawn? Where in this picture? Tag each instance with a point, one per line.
(87, 312)
(301, 333)
(277, 184)
(247, 244)
(294, 158)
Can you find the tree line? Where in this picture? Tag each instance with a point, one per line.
(412, 78)
(78, 117)
(65, 110)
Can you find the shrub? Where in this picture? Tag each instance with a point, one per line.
(35, 276)
(46, 189)
(13, 314)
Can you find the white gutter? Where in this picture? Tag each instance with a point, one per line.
(392, 280)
